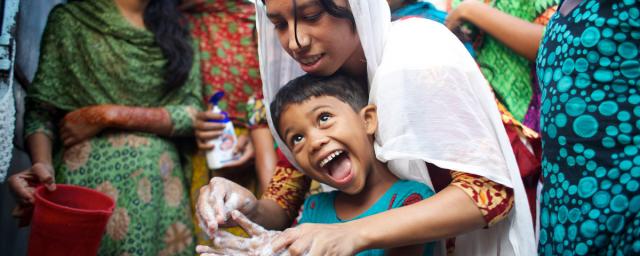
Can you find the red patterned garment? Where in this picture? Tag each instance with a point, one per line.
(224, 31)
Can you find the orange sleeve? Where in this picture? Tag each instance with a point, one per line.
(288, 186)
(494, 200)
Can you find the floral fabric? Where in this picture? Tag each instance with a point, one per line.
(90, 55)
(225, 33)
(494, 200)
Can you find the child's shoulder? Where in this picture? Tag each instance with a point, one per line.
(406, 192)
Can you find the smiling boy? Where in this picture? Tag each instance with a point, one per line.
(329, 127)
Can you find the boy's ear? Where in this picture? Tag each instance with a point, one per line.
(369, 116)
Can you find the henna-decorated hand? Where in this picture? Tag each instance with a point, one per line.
(84, 123)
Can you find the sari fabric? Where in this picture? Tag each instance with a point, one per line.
(433, 102)
(91, 55)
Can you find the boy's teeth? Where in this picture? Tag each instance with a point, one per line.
(329, 158)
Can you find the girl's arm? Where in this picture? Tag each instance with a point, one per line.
(266, 157)
(521, 36)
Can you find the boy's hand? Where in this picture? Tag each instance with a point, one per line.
(318, 240)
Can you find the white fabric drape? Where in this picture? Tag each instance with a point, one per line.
(434, 106)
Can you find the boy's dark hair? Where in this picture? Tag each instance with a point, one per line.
(298, 90)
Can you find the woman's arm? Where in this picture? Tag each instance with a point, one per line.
(521, 36)
(86, 122)
(448, 213)
(266, 157)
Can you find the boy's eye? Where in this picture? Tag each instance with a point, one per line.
(295, 139)
(324, 117)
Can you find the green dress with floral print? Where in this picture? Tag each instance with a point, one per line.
(91, 55)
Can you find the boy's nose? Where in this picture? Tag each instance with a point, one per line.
(318, 141)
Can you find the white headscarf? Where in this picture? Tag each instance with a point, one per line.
(434, 106)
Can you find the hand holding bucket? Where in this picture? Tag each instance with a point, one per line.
(68, 221)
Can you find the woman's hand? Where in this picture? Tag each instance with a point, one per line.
(82, 124)
(206, 130)
(218, 199)
(320, 239)
(459, 14)
(258, 243)
(23, 185)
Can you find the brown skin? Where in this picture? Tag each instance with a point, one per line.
(82, 124)
(317, 127)
(78, 126)
(521, 36)
(206, 131)
(419, 223)
(266, 157)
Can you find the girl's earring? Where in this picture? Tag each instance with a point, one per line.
(363, 60)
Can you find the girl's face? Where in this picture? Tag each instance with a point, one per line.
(324, 43)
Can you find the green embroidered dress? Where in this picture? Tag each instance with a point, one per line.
(91, 55)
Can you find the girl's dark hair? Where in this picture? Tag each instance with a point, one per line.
(164, 20)
(331, 8)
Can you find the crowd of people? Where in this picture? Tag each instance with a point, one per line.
(482, 128)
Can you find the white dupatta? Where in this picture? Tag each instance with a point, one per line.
(434, 106)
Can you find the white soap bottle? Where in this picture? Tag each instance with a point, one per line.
(222, 153)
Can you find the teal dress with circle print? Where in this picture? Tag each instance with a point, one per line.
(589, 72)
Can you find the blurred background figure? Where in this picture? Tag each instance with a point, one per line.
(113, 94)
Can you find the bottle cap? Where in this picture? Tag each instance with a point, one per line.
(215, 98)
(223, 120)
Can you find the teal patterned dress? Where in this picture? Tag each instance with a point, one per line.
(319, 208)
(90, 55)
(589, 72)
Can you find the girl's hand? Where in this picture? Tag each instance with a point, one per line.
(258, 243)
(218, 199)
(459, 14)
(23, 185)
(206, 130)
(320, 239)
(82, 124)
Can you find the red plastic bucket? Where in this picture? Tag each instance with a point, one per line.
(68, 221)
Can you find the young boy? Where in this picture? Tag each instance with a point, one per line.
(329, 128)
